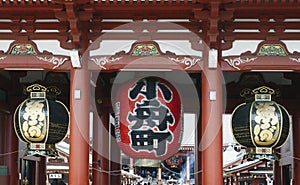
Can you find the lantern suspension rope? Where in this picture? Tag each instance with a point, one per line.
(9, 153)
(177, 172)
(113, 171)
(108, 172)
(284, 155)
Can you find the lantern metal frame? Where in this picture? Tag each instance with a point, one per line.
(261, 96)
(37, 91)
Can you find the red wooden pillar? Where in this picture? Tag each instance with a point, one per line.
(42, 171)
(198, 154)
(96, 178)
(101, 136)
(104, 149)
(277, 173)
(115, 161)
(211, 143)
(101, 149)
(79, 127)
(11, 148)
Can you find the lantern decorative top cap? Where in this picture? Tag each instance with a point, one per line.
(262, 93)
(39, 91)
(36, 91)
(35, 88)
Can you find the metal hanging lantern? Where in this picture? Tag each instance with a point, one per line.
(41, 121)
(261, 125)
(148, 115)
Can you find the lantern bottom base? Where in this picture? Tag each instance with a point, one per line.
(254, 156)
(49, 150)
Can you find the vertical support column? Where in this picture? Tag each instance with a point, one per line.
(101, 139)
(37, 173)
(28, 172)
(187, 169)
(130, 165)
(231, 180)
(198, 153)
(227, 180)
(296, 139)
(277, 173)
(159, 176)
(79, 127)
(115, 160)
(11, 147)
(211, 143)
(100, 151)
(104, 148)
(96, 148)
(42, 171)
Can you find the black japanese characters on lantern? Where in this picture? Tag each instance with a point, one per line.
(148, 118)
(41, 121)
(261, 125)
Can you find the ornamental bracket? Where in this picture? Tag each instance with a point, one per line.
(213, 15)
(75, 13)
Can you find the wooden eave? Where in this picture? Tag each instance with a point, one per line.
(263, 63)
(157, 60)
(167, 62)
(256, 61)
(36, 59)
(84, 20)
(45, 62)
(271, 21)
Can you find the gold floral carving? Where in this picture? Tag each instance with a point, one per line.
(34, 125)
(266, 129)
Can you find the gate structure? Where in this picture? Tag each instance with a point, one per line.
(80, 27)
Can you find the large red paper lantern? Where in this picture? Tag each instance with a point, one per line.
(148, 116)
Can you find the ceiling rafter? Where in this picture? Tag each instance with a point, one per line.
(217, 18)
